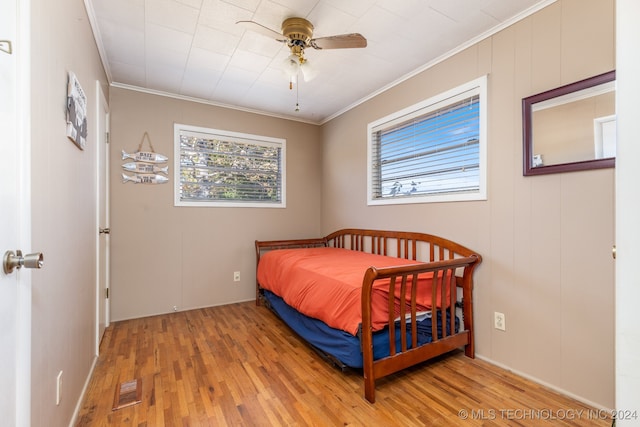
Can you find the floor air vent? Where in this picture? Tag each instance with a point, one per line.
(128, 393)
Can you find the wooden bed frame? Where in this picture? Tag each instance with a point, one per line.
(452, 265)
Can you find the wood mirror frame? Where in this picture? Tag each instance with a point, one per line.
(527, 127)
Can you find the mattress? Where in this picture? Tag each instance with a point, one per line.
(342, 346)
(326, 284)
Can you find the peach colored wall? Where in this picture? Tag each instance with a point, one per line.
(546, 240)
(164, 256)
(63, 191)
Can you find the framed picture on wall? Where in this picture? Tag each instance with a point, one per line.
(76, 112)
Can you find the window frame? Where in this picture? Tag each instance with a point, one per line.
(478, 87)
(245, 137)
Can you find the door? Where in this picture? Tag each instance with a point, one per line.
(15, 287)
(102, 201)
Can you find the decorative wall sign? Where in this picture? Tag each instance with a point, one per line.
(141, 167)
(145, 156)
(145, 178)
(76, 112)
(146, 165)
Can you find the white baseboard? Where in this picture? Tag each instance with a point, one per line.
(76, 411)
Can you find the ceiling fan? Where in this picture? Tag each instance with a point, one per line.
(297, 33)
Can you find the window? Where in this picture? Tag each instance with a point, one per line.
(433, 151)
(220, 168)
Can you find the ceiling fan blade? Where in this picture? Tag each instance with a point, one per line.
(343, 41)
(261, 29)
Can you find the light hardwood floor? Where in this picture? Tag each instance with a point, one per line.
(239, 365)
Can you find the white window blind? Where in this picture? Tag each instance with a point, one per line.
(429, 152)
(221, 168)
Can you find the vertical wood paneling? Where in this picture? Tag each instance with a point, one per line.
(531, 268)
(586, 38)
(587, 292)
(501, 118)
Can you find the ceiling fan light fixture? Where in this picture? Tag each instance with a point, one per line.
(298, 35)
(291, 67)
(294, 64)
(308, 71)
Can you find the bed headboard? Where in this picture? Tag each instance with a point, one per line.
(401, 244)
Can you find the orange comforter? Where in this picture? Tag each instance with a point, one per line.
(326, 284)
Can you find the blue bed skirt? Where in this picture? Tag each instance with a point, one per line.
(340, 346)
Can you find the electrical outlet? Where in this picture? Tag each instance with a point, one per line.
(59, 388)
(175, 308)
(236, 276)
(499, 321)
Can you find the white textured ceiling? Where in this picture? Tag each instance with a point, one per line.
(194, 49)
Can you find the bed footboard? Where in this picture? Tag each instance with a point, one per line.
(445, 337)
(452, 266)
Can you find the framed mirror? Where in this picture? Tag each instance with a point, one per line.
(570, 128)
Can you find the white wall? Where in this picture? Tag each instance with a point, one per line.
(627, 213)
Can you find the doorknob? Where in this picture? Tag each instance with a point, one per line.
(5, 46)
(13, 260)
